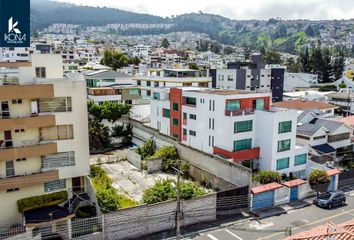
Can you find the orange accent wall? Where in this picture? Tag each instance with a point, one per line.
(247, 154)
(176, 97)
(247, 103)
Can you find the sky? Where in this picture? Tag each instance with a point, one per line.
(235, 9)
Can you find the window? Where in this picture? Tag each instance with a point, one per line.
(40, 72)
(175, 136)
(10, 171)
(230, 78)
(60, 132)
(202, 100)
(138, 83)
(175, 122)
(243, 126)
(134, 91)
(58, 104)
(19, 130)
(148, 93)
(54, 185)
(242, 144)
(282, 163)
(156, 95)
(184, 132)
(193, 116)
(57, 160)
(192, 133)
(319, 137)
(185, 115)
(339, 137)
(300, 159)
(21, 159)
(175, 106)
(166, 113)
(284, 145)
(12, 190)
(232, 105)
(190, 101)
(16, 101)
(260, 104)
(220, 77)
(303, 137)
(284, 127)
(148, 83)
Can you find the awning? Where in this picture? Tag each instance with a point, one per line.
(46, 214)
(324, 149)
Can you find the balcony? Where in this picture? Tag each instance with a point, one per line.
(238, 156)
(26, 122)
(27, 150)
(26, 91)
(28, 180)
(239, 112)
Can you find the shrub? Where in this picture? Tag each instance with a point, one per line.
(327, 87)
(164, 190)
(45, 200)
(318, 177)
(170, 160)
(265, 177)
(147, 150)
(342, 85)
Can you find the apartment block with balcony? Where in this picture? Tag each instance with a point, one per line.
(43, 133)
(227, 123)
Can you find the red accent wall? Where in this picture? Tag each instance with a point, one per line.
(176, 97)
(247, 154)
(247, 103)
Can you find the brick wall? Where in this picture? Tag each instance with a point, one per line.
(142, 220)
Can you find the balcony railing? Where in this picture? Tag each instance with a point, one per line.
(241, 155)
(10, 80)
(239, 112)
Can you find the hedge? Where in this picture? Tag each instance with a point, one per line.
(41, 201)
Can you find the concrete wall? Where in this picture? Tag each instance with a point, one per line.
(218, 167)
(134, 158)
(305, 191)
(154, 165)
(142, 220)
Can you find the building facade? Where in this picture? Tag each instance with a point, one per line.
(43, 133)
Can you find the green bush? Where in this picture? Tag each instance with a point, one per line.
(147, 150)
(170, 160)
(265, 177)
(318, 177)
(327, 87)
(342, 85)
(41, 201)
(164, 190)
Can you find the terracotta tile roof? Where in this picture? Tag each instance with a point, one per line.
(266, 187)
(332, 172)
(293, 183)
(346, 120)
(325, 231)
(303, 105)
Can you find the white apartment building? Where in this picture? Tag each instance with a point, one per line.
(155, 78)
(43, 135)
(299, 80)
(235, 124)
(21, 54)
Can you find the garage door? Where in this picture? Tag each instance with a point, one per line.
(294, 193)
(262, 200)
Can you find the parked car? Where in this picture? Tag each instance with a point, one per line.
(330, 199)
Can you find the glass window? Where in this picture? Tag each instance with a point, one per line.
(134, 91)
(166, 113)
(184, 132)
(54, 185)
(175, 106)
(190, 101)
(282, 163)
(284, 127)
(156, 95)
(220, 77)
(233, 105)
(284, 145)
(230, 78)
(175, 122)
(243, 126)
(242, 144)
(57, 160)
(260, 104)
(300, 159)
(192, 133)
(193, 116)
(40, 72)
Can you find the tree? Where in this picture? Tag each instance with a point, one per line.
(165, 43)
(319, 180)
(215, 47)
(338, 66)
(304, 60)
(272, 57)
(228, 50)
(99, 136)
(108, 110)
(193, 66)
(292, 66)
(309, 31)
(123, 131)
(117, 60)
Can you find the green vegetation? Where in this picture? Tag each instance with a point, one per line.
(165, 43)
(166, 190)
(124, 131)
(107, 196)
(271, 57)
(327, 87)
(342, 85)
(41, 201)
(170, 160)
(147, 150)
(117, 60)
(318, 176)
(265, 177)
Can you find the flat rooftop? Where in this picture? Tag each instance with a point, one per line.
(303, 105)
(221, 91)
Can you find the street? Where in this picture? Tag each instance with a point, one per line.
(275, 227)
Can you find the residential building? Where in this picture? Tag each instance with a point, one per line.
(299, 80)
(11, 54)
(302, 105)
(155, 78)
(344, 100)
(43, 134)
(231, 124)
(107, 77)
(126, 94)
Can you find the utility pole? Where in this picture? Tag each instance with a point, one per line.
(178, 207)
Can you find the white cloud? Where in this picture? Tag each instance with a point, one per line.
(236, 9)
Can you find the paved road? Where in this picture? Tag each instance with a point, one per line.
(274, 227)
